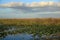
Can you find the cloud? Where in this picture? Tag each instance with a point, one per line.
(33, 4)
(30, 10)
(33, 7)
(12, 4)
(58, 4)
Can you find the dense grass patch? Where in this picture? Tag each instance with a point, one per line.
(32, 26)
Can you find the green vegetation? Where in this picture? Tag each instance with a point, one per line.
(31, 26)
(34, 29)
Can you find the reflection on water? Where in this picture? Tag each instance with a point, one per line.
(22, 36)
(13, 33)
(19, 37)
(25, 36)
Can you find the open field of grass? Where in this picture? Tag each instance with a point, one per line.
(37, 21)
(46, 26)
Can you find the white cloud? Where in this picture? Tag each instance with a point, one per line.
(12, 4)
(33, 4)
(51, 3)
(30, 10)
(33, 7)
(58, 4)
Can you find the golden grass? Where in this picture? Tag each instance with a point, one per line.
(38, 21)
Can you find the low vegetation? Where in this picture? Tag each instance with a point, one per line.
(41, 26)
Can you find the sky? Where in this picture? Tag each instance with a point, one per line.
(29, 8)
(6, 1)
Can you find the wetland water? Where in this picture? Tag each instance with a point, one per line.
(13, 33)
(25, 36)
